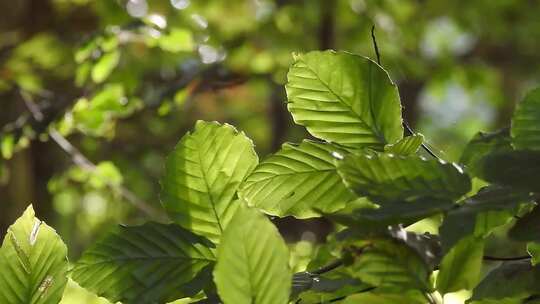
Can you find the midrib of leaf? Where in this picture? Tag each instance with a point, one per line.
(376, 130)
(180, 258)
(292, 173)
(373, 129)
(203, 174)
(250, 277)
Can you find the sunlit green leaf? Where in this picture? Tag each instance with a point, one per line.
(33, 263)
(177, 40)
(406, 146)
(344, 98)
(105, 65)
(460, 267)
(152, 263)
(202, 176)
(252, 264)
(298, 180)
(7, 143)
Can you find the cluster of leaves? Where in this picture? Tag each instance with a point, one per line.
(361, 173)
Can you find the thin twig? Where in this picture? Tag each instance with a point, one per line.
(82, 161)
(424, 146)
(517, 258)
(408, 128)
(375, 47)
(327, 268)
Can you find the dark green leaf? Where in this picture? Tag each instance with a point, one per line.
(411, 297)
(393, 213)
(152, 263)
(518, 169)
(483, 144)
(511, 280)
(344, 98)
(527, 228)
(391, 264)
(388, 177)
(478, 215)
(306, 281)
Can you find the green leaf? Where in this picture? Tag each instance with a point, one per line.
(534, 250)
(483, 144)
(152, 263)
(387, 177)
(478, 215)
(527, 228)
(33, 263)
(525, 128)
(460, 267)
(392, 213)
(7, 145)
(105, 65)
(252, 264)
(344, 98)
(511, 280)
(177, 40)
(320, 287)
(385, 298)
(202, 176)
(518, 169)
(298, 180)
(405, 146)
(391, 264)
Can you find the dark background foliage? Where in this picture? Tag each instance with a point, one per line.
(94, 94)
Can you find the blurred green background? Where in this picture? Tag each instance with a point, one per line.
(94, 94)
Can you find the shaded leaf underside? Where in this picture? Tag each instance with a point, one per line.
(152, 263)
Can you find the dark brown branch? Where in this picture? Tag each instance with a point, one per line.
(327, 268)
(375, 46)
